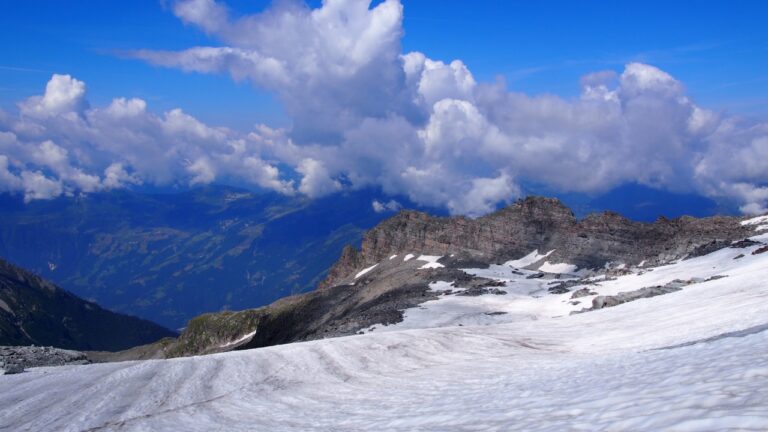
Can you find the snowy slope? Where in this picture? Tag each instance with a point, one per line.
(536, 367)
(528, 299)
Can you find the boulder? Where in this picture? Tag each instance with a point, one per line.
(12, 368)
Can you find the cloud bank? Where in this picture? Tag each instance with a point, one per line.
(366, 114)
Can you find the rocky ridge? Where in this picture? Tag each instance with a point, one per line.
(14, 359)
(542, 224)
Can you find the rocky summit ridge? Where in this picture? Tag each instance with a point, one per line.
(541, 224)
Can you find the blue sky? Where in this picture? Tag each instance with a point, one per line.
(719, 49)
(458, 105)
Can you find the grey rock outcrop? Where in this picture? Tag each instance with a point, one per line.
(600, 302)
(583, 292)
(542, 224)
(11, 368)
(604, 301)
(33, 356)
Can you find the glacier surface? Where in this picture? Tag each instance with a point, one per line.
(693, 360)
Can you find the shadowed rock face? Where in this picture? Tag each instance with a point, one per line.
(34, 311)
(536, 223)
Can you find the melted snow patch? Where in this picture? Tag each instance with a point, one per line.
(528, 259)
(242, 339)
(393, 257)
(548, 267)
(431, 261)
(365, 270)
(409, 257)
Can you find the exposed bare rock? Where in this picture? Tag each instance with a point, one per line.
(477, 291)
(12, 368)
(350, 260)
(604, 301)
(542, 224)
(741, 244)
(32, 356)
(583, 292)
(565, 286)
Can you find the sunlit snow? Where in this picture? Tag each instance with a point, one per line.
(242, 339)
(431, 261)
(692, 360)
(558, 267)
(528, 259)
(365, 270)
(756, 221)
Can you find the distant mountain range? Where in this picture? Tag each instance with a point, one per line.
(172, 256)
(33, 311)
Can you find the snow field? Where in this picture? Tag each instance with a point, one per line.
(534, 368)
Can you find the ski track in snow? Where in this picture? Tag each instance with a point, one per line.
(534, 368)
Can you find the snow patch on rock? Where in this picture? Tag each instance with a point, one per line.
(365, 270)
(529, 259)
(431, 261)
(756, 221)
(240, 340)
(559, 267)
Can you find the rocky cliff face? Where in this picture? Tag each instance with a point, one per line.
(536, 223)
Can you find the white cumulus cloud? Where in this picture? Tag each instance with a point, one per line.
(381, 207)
(364, 113)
